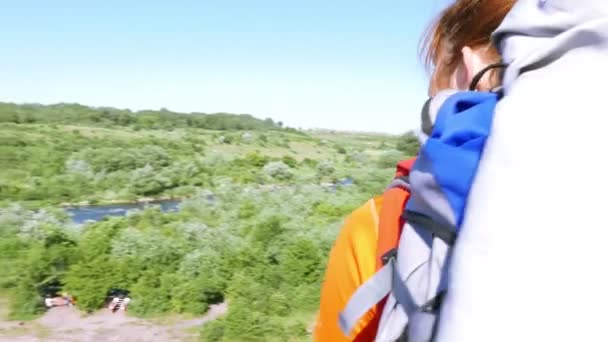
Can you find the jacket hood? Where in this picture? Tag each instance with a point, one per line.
(537, 33)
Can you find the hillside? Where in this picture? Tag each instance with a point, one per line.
(75, 114)
(261, 206)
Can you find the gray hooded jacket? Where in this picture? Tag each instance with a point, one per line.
(531, 261)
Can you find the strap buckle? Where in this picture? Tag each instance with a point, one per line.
(386, 257)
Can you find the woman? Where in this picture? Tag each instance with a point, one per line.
(458, 47)
(530, 263)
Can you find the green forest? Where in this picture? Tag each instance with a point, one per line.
(261, 205)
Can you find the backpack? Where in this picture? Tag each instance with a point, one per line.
(354, 258)
(414, 277)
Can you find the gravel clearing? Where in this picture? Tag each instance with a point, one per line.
(63, 324)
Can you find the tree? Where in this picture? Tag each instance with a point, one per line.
(90, 281)
(389, 159)
(301, 262)
(146, 181)
(409, 144)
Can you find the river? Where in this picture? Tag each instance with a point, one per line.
(98, 212)
(83, 214)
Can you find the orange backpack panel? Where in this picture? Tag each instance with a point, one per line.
(351, 262)
(390, 222)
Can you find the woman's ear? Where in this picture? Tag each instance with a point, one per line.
(473, 62)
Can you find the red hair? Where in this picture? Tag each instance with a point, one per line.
(463, 23)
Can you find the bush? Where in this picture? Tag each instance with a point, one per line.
(389, 159)
(246, 137)
(357, 157)
(290, 161)
(309, 162)
(325, 168)
(90, 281)
(146, 181)
(252, 159)
(214, 330)
(26, 302)
(151, 294)
(301, 263)
(278, 170)
(111, 159)
(409, 144)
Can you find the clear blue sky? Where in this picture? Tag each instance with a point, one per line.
(340, 64)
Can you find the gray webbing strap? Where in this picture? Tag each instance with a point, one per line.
(366, 296)
(402, 295)
(372, 292)
(402, 182)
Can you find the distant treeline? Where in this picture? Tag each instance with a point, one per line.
(75, 114)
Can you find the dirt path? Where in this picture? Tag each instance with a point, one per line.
(62, 324)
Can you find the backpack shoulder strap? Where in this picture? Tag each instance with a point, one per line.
(390, 219)
(388, 280)
(374, 291)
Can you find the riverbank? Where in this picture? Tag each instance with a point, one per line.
(141, 200)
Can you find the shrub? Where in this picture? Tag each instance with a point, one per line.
(290, 161)
(90, 281)
(309, 162)
(278, 170)
(253, 159)
(146, 181)
(409, 144)
(389, 159)
(325, 168)
(214, 330)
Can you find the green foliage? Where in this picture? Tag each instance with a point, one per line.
(214, 330)
(301, 263)
(75, 114)
(289, 161)
(408, 143)
(34, 259)
(89, 281)
(255, 159)
(329, 209)
(110, 159)
(263, 139)
(258, 216)
(310, 162)
(278, 170)
(390, 159)
(152, 293)
(146, 181)
(190, 295)
(325, 168)
(26, 302)
(226, 139)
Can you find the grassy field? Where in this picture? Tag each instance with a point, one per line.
(54, 164)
